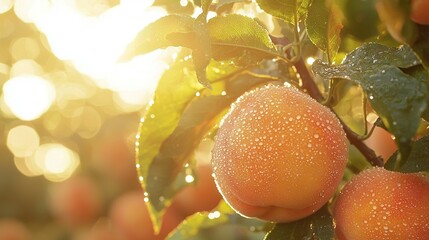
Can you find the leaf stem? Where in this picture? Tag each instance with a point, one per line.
(309, 85)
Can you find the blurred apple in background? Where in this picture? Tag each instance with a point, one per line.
(202, 196)
(131, 221)
(382, 142)
(11, 229)
(113, 153)
(102, 230)
(76, 201)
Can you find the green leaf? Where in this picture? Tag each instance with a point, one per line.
(324, 25)
(175, 89)
(348, 98)
(285, 9)
(205, 5)
(207, 225)
(223, 38)
(197, 119)
(418, 161)
(397, 97)
(201, 51)
(319, 225)
(154, 36)
(239, 37)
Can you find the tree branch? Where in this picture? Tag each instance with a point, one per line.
(309, 85)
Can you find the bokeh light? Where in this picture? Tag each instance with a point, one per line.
(57, 161)
(70, 98)
(5, 5)
(23, 141)
(25, 48)
(28, 97)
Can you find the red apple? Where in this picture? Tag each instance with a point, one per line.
(76, 201)
(202, 196)
(131, 220)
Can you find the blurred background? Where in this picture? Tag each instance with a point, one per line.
(69, 112)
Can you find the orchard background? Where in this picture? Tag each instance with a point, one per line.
(81, 79)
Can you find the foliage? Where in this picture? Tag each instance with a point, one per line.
(224, 56)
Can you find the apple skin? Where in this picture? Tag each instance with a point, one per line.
(279, 155)
(381, 204)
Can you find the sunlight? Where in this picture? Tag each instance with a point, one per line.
(310, 60)
(93, 44)
(28, 97)
(5, 5)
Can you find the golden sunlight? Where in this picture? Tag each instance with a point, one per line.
(28, 97)
(93, 44)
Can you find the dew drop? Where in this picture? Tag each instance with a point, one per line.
(316, 135)
(214, 215)
(189, 178)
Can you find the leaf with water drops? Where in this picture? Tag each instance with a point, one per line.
(196, 120)
(219, 222)
(324, 25)
(319, 225)
(175, 89)
(418, 160)
(285, 9)
(398, 97)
